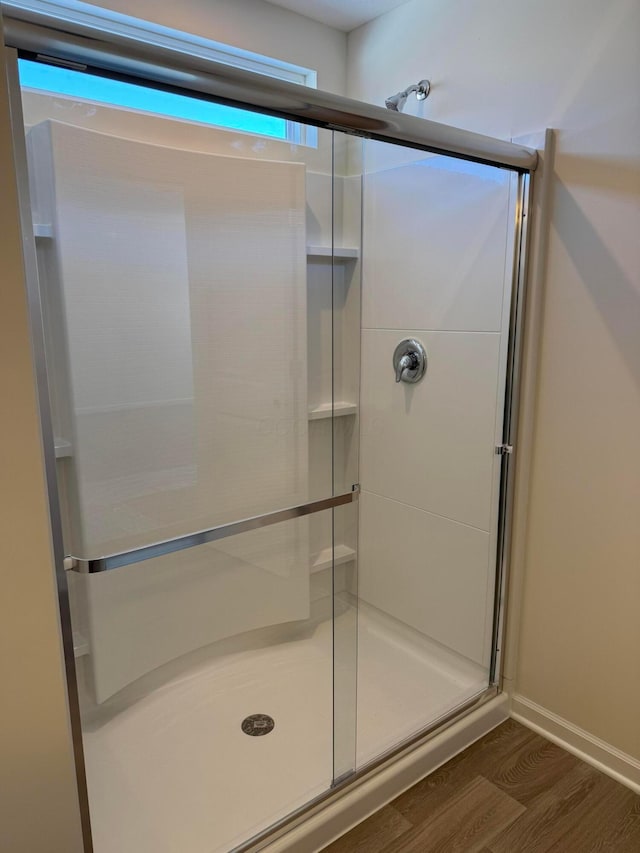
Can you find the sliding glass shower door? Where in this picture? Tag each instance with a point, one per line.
(278, 375)
(202, 342)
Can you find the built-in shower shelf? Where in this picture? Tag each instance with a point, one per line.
(80, 645)
(325, 559)
(42, 230)
(63, 448)
(338, 253)
(327, 410)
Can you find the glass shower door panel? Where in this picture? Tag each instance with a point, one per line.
(182, 279)
(212, 747)
(189, 295)
(437, 269)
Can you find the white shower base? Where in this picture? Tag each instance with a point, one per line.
(169, 769)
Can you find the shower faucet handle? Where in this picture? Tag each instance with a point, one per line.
(409, 361)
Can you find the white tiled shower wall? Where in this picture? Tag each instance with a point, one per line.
(436, 267)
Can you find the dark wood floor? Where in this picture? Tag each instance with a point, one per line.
(511, 792)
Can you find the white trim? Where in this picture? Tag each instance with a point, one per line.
(619, 765)
(344, 811)
(107, 21)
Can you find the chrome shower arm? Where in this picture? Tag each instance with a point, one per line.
(397, 102)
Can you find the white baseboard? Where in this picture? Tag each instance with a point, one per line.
(345, 810)
(600, 754)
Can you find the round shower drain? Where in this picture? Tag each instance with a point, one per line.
(257, 725)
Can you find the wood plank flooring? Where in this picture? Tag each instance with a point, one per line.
(511, 792)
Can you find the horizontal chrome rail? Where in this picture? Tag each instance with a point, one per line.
(202, 537)
(87, 48)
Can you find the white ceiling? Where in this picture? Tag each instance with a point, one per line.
(342, 14)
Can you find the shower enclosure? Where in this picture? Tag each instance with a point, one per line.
(281, 550)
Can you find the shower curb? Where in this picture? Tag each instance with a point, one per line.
(345, 810)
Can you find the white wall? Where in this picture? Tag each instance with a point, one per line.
(507, 69)
(436, 267)
(252, 25)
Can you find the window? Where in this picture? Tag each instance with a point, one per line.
(77, 84)
(89, 87)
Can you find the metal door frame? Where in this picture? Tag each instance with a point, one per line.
(123, 58)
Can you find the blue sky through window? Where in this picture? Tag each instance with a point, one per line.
(89, 87)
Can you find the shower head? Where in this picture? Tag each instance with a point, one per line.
(397, 102)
